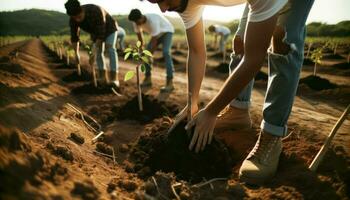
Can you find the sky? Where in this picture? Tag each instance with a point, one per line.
(323, 10)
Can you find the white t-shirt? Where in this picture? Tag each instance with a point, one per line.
(222, 29)
(154, 25)
(260, 10)
(121, 31)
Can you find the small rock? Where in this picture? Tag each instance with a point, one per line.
(111, 187)
(128, 166)
(104, 148)
(128, 185)
(124, 148)
(77, 138)
(64, 152)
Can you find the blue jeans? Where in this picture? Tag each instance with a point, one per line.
(121, 38)
(112, 53)
(284, 70)
(222, 43)
(166, 40)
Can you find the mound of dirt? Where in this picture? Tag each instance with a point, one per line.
(85, 190)
(91, 89)
(62, 66)
(152, 108)
(317, 83)
(85, 76)
(12, 68)
(332, 57)
(342, 65)
(308, 61)
(223, 68)
(156, 150)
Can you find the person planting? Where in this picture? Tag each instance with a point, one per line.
(103, 31)
(223, 32)
(265, 20)
(161, 31)
(121, 38)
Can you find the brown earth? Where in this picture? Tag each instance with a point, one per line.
(46, 147)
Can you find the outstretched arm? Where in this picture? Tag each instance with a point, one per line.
(255, 46)
(195, 69)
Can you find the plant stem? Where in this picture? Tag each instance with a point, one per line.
(139, 93)
(67, 55)
(315, 68)
(94, 76)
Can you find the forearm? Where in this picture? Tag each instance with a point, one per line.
(195, 71)
(140, 37)
(255, 51)
(153, 44)
(76, 50)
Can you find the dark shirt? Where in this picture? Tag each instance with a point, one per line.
(93, 23)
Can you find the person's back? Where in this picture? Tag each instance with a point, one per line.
(96, 21)
(155, 25)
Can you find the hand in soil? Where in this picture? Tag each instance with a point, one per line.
(182, 116)
(204, 123)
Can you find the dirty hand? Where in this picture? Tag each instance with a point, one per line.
(204, 123)
(238, 45)
(182, 116)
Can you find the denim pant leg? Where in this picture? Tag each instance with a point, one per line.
(100, 59)
(242, 101)
(284, 70)
(223, 40)
(147, 66)
(111, 41)
(167, 40)
(121, 38)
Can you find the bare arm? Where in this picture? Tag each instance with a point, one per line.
(140, 37)
(196, 60)
(76, 46)
(255, 47)
(154, 42)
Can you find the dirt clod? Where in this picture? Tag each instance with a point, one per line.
(60, 150)
(86, 190)
(317, 83)
(104, 148)
(76, 137)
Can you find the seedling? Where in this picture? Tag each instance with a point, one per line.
(69, 53)
(142, 57)
(91, 62)
(309, 49)
(316, 57)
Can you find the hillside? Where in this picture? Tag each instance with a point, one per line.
(44, 22)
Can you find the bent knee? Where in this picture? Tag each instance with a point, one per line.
(279, 45)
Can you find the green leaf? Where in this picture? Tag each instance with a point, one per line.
(135, 55)
(127, 55)
(128, 50)
(143, 68)
(148, 53)
(129, 75)
(145, 59)
(138, 44)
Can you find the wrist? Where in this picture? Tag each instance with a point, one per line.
(210, 108)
